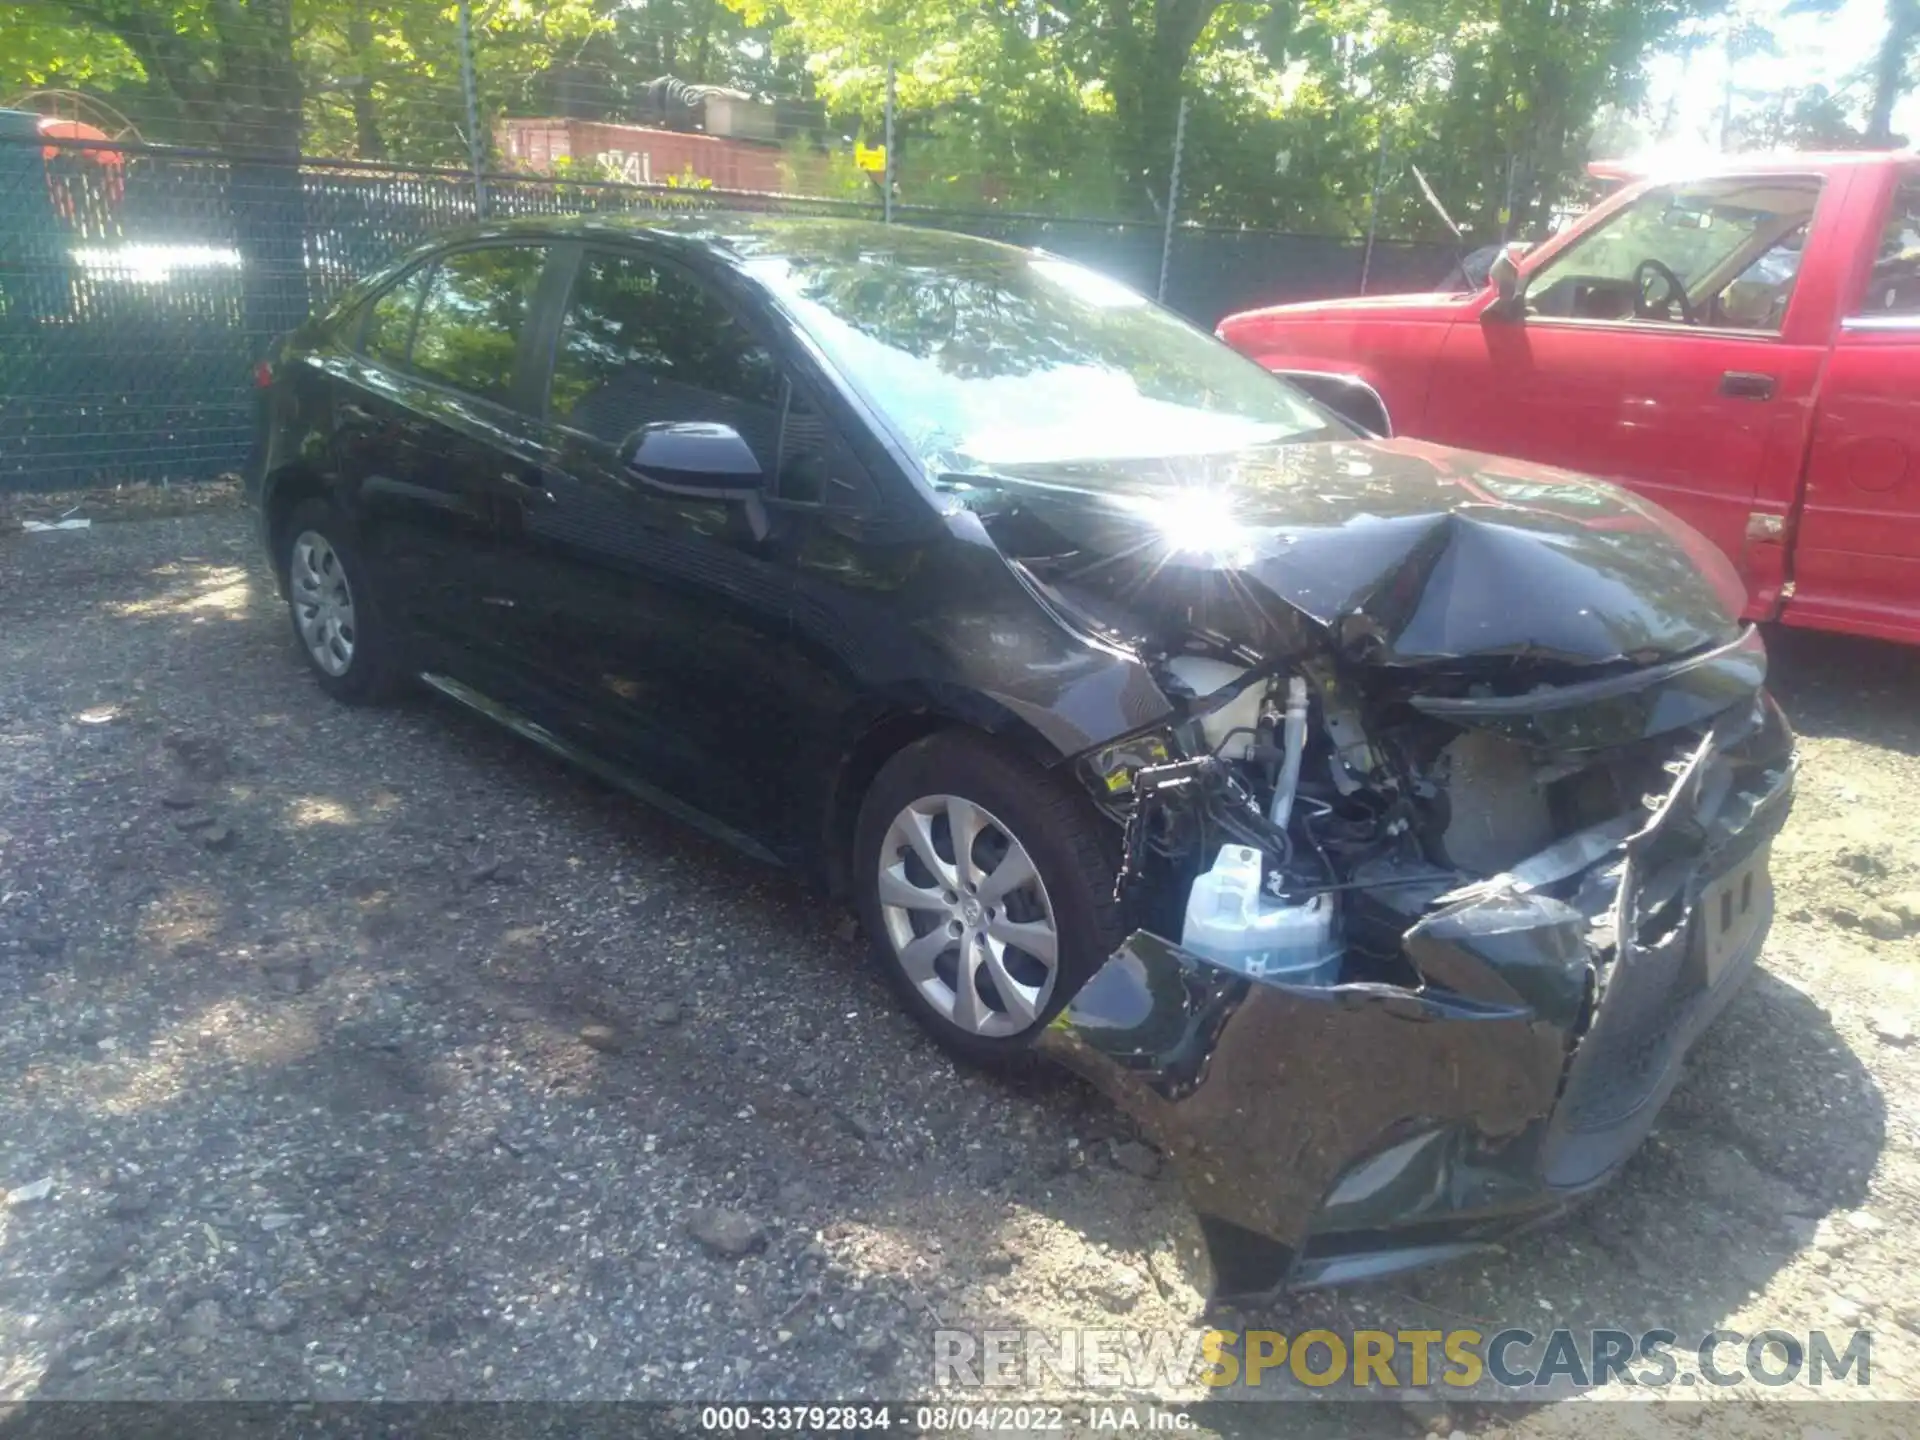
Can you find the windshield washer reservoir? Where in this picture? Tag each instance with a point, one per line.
(1231, 922)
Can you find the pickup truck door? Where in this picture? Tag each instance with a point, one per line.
(1701, 401)
(1856, 553)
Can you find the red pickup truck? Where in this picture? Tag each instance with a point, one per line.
(1740, 344)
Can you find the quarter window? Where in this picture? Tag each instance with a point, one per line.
(642, 344)
(1893, 286)
(805, 453)
(476, 306)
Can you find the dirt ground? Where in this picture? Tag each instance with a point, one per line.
(373, 1054)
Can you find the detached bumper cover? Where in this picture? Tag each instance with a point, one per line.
(1334, 1133)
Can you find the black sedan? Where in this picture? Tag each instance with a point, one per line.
(1379, 824)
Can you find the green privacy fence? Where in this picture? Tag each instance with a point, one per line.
(139, 285)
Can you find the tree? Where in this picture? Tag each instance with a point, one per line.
(376, 79)
(1063, 105)
(1148, 46)
(1291, 100)
(1892, 76)
(1116, 65)
(385, 79)
(222, 71)
(1828, 118)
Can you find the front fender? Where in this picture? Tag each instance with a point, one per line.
(1392, 352)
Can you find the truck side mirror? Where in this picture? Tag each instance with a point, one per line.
(1504, 275)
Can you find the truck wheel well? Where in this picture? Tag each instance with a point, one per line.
(1350, 396)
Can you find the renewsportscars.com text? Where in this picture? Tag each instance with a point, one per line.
(1512, 1359)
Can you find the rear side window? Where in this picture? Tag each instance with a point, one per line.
(390, 320)
(1893, 286)
(476, 307)
(643, 344)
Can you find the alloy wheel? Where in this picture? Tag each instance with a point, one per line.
(322, 602)
(968, 916)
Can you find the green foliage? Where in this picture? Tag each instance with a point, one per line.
(36, 53)
(219, 72)
(386, 76)
(374, 79)
(1072, 106)
(1811, 119)
(1298, 109)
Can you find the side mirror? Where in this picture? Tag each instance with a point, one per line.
(1353, 400)
(1504, 275)
(692, 458)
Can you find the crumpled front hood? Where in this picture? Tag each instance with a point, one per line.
(1408, 554)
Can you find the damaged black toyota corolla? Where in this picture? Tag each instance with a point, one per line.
(1378, 824)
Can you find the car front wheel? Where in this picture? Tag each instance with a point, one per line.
(985, 888)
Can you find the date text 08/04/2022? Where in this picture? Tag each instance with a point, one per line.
(941, 1419)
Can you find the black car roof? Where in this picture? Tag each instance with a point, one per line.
(735, 234)
(725, 236)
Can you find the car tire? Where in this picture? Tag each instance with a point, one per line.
(926, 913)
(336, 619)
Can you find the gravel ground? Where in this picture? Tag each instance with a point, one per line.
(372, 1054)
(137, 500)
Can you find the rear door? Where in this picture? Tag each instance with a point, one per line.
(377, 439)
(1856, 554)
(1668, 349)
(440, 418)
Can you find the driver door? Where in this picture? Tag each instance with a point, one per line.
(1662, 349)
(653, 624)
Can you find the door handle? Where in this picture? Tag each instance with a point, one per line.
(1746, 385)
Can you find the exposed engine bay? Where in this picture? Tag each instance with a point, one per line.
(1525, 943)
(1377, 712)
(1450, 838)
(1369, 809)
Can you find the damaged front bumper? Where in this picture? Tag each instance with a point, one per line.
(1336, 1133)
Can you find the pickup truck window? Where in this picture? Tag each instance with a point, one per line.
(1719, 253)
(1893, 286)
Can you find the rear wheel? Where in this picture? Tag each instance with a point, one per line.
(985, 888)
(330, 601)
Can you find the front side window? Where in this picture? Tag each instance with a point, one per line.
(643, 344)
(476, 306)
(1893, 286)
(1721, 253)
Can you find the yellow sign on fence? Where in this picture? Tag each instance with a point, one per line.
(872, 158)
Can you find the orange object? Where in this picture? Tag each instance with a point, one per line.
(111, 162)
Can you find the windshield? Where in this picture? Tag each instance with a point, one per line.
(983, 357)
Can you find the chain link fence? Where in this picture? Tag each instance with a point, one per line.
(158, 230)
